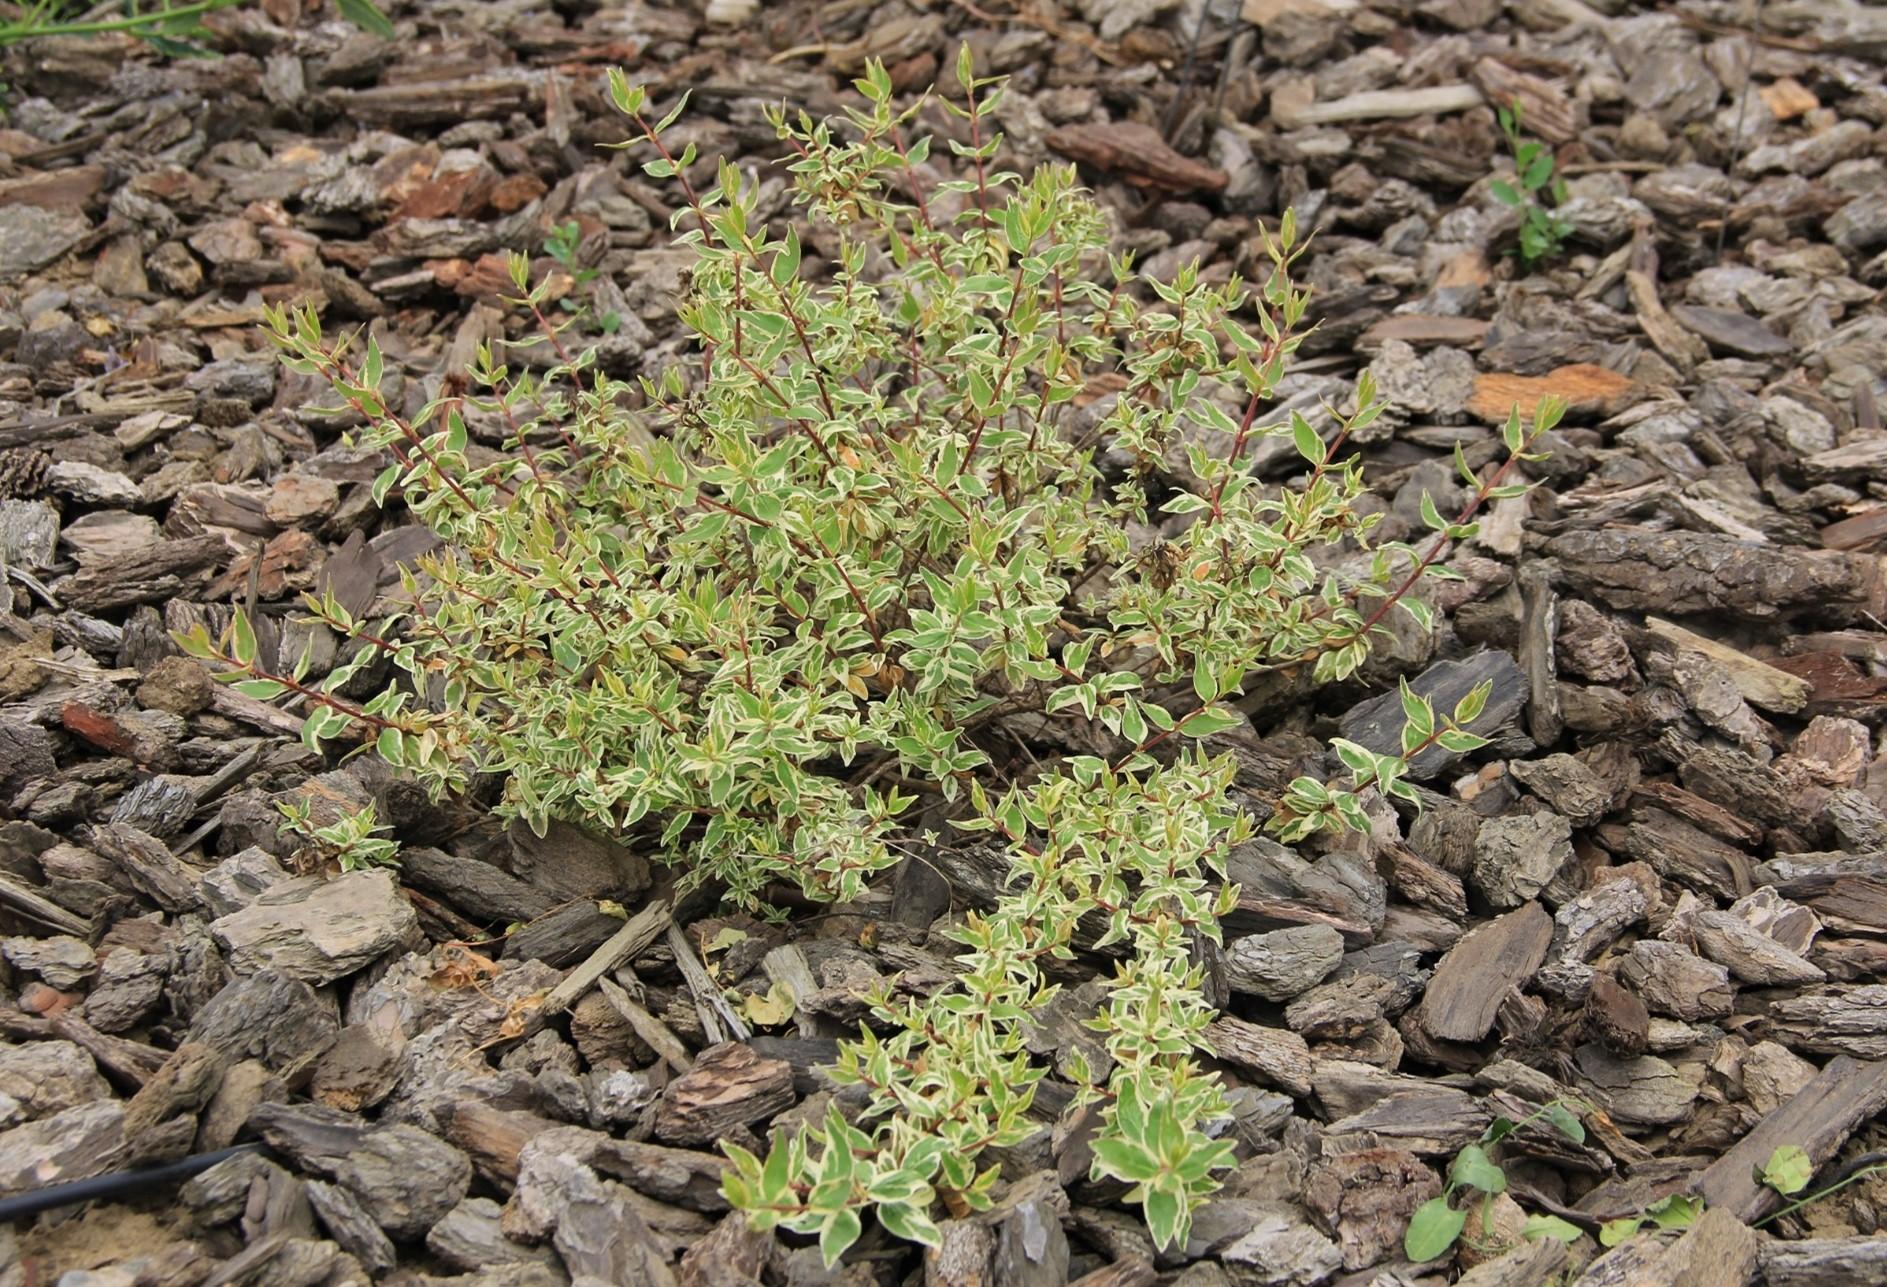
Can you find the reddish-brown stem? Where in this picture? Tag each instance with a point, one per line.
(976, 145)
(1427, 560)
(786, 407)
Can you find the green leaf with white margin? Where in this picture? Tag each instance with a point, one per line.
(840, 1232)
(1467, 710)
(242, 639)
(908, 1223)
(1208, 720)
(1166, 1215)
(1124, 1159)
(1511, 432)
(1309, 445)
(1416, 712)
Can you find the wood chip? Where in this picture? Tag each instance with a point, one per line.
(636, 934)
(1587, 391)
(1788, 99)
(1473, 978)
(1137, 154)
(1760, 683)
(1424, 329)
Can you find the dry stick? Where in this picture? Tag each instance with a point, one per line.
(641, 930)
(655, 1034)
(710, 1005)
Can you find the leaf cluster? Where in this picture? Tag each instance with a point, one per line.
(350, 841)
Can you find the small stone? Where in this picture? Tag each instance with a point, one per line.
(178, 685)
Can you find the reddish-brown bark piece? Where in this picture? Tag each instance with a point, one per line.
(1586, 389)
(1137, 154)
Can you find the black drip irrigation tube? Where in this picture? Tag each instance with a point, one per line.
(115, 1185)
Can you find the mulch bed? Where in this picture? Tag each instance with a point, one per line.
(1661, 890)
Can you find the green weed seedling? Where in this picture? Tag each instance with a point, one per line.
(1790, 1170)
(1440, 1222)
(1543, 232)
